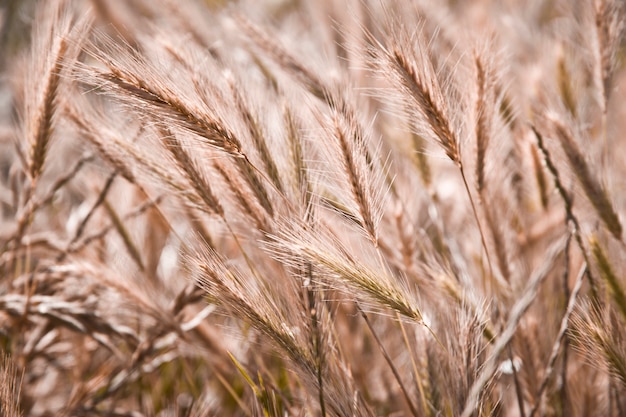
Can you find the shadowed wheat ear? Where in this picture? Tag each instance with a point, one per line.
(590, 184)
(195, 176)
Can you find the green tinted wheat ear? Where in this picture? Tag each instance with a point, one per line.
(609, 276)
(601, 336)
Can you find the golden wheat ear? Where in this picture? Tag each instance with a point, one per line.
(57, 41)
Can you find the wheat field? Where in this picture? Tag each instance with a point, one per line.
(312, 208)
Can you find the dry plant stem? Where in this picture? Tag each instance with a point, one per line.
(78, 246)
(616, 398)
(540, 177)
(61, 182)
(134, 252)
(393, 368)
(518, 389)
(566, 341)
(416, 374)
(561, 337)
(34, 204)
(99, 201)
(314, 305)
(233, 393)
(492, 279)
(569, 211)
(517, 312)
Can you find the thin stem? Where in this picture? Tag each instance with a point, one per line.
(394, 370)
(561, 336)
(518, 387)
(480, 229)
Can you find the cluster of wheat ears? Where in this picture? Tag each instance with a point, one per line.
(312, 208)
